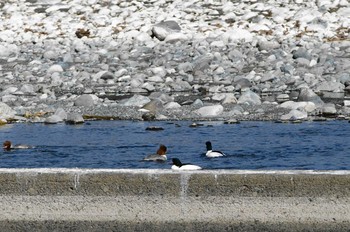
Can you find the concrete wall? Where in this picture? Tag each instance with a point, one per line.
(165, 200)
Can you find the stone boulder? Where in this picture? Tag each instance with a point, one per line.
(61, 113)
(330, 86)
(306, 94)
(172, 105)
(84, 100)
(304, 106)
(153, 106)
(74, 118)
(250, 98)
(210, 111)
(163, 97)
(294, 115)
(53, 119)
(229, 99)
(136, 100)
(163, 29)
(329, 109)
(6, 111)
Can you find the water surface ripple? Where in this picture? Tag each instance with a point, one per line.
(123, 144)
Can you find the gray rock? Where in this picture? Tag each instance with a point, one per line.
(156, 79)
(185, 67)
(268, 45)
(202, 62)
(107, 76)
(180, 85)
(53, 119)
(210, 111)
(329, 109)
(175, 37)
(61, 113)
(74, 118)
(250, 98)
(218, 97)
(6, 112)
(294, 115)
(27, 88)
(84, 100)
(163, 29)
(9, 98)
(301, 53)
(197, 103)
(229, 99)
(163, 97)
(149, 116)
(153, 106)
(287, 68)
(303, 106)
(282, 97)
(330, 86)
(136, 100)
(149, 87)
(242, 83)
(237, 110)
(309, 95)
(172, 105)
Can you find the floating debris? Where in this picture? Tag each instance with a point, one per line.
(154, 128)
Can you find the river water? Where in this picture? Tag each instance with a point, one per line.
(123, 144)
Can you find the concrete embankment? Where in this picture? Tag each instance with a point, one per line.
(164, 200)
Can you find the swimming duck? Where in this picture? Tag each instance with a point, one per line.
(160, 156)
(210, 153)
(7, 145)
(177, 165)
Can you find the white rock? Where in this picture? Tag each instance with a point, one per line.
(294, 115)
(121, 72)
(330, 86)
(11, 89)
(175, 37)
(229, 99)
(84, 100)
(8, 98)
(74, 118)
(237, 34)
(149, 87)
(6, 111)
(53, 119)
(210, 111)
(305, 106)
(159, 71)
(329, 108)
(250, 98)
(218, 97)
(55, 68)
(8, 50)
(60, 112)
(198, 103)
(27, 88)
(136, 100)
(172, 105)
(155, 79)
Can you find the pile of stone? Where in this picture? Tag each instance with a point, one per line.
(61, 60)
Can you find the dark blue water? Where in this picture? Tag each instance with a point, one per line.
(123, 144)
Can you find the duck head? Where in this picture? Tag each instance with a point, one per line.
(162, 150)
(6, 145)
(209, 147)
(177, 162)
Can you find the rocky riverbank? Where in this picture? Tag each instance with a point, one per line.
(61, 60)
